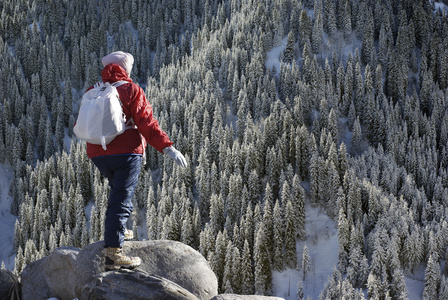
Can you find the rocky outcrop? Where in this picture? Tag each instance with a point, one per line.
(9, 285)
(126, 284)
(70, 273)
(244, 297)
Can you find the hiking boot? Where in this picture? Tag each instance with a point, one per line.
(128, 235)
(115, 259)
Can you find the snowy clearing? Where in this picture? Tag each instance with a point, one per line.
(7, 220)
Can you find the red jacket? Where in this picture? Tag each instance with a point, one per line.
(137, 107)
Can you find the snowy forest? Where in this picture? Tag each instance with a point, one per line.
(351, 118)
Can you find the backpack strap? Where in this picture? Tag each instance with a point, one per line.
(130, 123)
(118, 83)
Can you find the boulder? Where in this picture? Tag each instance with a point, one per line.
(172, 260)
(52, 275)
(67, 271)
(9, 285)
(126, 284)
(244, 297)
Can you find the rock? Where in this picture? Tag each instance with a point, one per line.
(67, 271)
(126, 284)
(62, 283)
(244, 297)
(34, 285)
(53, 275)
(172, 260)
(9, 285)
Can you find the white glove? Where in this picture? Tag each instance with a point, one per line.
(176, 155)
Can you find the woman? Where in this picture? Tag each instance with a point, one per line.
(120, 162)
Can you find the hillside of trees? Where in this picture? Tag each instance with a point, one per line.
(362, 134)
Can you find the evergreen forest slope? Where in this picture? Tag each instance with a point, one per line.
(352, 119)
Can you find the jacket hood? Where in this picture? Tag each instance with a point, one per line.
(123, 59)
(113, 72)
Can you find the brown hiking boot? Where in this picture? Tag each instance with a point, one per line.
(128, 235)
(115, 259)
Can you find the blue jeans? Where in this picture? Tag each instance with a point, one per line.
(122, 171)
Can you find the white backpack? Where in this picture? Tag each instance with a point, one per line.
(101, 116)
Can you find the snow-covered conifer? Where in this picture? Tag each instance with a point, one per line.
(317, 31)
(432, 278)
(278, 232)
(247, 274)
(289, 54)
(306, 262)
(262, 264)
(290, 254)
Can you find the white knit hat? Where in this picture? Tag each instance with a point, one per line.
(123, 59)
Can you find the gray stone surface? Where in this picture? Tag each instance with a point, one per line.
(50, 276)
(8, 284)
(126, 284)
(244, 297)
(172, 260)
(66, 271)
(60, 271)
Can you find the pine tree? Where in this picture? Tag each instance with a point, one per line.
(278, 233)
(317, 32)
(315, 178)
(254, 186)
(305, 28)
(300, 294)
(413, 250)
(343, 239)
(237, 269)
(289, 54)
(19, 262)
(187, 230)
(357, 271)
(398, 285)
(290, 255)
(367, 47)
(262, 273)
(228, 270)
(432, 278)
(234, 197)
(206, 241)
(346, 19)
(247, 274)
(298, 202)
(443, 294)
(247, 226)
(218, 263)
(330, 17)
(306, 262)
(217, 216)
(356, 137)
(49, 145)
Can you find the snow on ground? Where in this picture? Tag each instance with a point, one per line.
(322, 243)
(285, 283)
(443, 7)
(273, 56)
(7, 220)
(414, 282)
(415, 288)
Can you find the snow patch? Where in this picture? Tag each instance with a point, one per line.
(285, 283)
(322, 243)
(441, 6)
(273, 56)
(415, 288)
(7, 220)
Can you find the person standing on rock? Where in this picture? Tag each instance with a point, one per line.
(120, 163)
